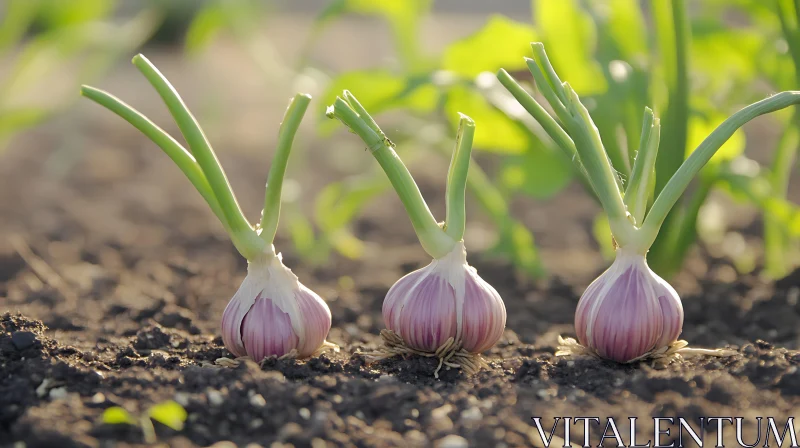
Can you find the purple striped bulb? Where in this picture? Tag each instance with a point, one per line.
(628, 311)
(445, 299)
(272, 314)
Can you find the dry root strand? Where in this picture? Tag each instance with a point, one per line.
(228, 362)
(660, 357)
(450, 354)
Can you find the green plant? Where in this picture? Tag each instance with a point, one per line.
(654, 315)
(168, 413)
(775, 27)
(427, 86)
(272, 313)
(49, 46)
(692, 70)
(446, 309)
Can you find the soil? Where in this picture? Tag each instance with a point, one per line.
(115, 278)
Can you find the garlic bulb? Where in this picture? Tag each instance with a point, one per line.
(628, 311)
(273, 314)
(445, 299)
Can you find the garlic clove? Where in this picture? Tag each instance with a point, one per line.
(395, 298)
(671, 312)
(316, 318)
(267, 331)
(484, 314)
(231, 328)
(428, 315)
(234, 315)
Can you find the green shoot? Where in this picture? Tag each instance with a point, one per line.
(674, 35)
(631, 224)
(202, 167)
(700, 156)
(638, 191)
(602, 176)
(183, 158)
(548, 90)
(239, 226)
(168, 413)
(586, 138)
(272, 197)
(553, 129)
(435, 239)
(456, 220)
(431, 236)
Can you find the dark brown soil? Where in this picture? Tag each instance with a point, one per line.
(141, 273)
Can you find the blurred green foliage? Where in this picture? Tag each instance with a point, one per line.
(404, 19)
(242, 17)
(694, 67)
(437, 87)
(49, 46)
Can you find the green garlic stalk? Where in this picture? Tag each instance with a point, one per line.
(629, 312)
(272, 313)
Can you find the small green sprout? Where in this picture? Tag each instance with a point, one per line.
(168, 413)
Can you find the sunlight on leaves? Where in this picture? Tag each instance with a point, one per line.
(241, 18)
(396, 10)
(116, 415)
(339, 203)
(205, 26)
(17, 16)
(494, 131)
(380, 90)
(58, 13)
(58, 58)
(700, 128)
(501, 43)
(626, 25)
(570, 37)
(787, 213)
(169, 413)
(407, 8)
(758, 10)
(538, 173)
(15, 120)
(723, 58)
(779, 68)
(404, 18)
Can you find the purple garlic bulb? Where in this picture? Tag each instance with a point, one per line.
(628, 311)
(445, 299)
(272, 314)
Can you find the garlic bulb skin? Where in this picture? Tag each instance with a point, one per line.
(628, 311)
(272, 314)
(445, 299)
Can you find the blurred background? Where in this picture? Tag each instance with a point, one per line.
(414, 64)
